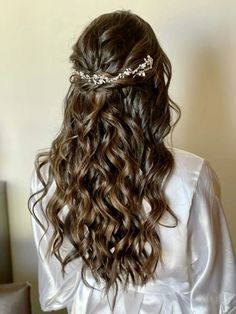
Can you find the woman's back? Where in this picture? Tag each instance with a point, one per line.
(197, 272)
(123, 223)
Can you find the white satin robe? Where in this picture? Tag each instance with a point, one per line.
(198, 274)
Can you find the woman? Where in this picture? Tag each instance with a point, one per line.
(123, 223)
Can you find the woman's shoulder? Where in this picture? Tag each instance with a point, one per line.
(187, 163)
(189, 171)
(181, 155)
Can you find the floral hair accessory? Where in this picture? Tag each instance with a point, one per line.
(100, 79)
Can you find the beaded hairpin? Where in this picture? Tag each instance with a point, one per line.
(99, 79)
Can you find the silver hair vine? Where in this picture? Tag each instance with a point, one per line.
(100, 79)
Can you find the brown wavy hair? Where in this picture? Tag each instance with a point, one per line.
(110, 155)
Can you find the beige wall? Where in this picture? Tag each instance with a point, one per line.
(36, 38)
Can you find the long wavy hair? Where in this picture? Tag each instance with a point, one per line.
(110, 155)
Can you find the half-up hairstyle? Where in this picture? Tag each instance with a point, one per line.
(110, 155)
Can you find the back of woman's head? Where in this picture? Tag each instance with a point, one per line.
(110, 155)
(113, 42)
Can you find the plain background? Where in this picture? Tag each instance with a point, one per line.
(36, 38)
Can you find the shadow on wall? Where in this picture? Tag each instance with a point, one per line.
(209, 126)
(27, 253)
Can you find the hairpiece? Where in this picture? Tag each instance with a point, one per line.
(100, 79)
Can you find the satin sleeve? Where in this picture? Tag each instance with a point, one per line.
(213, 270)
(55, 290)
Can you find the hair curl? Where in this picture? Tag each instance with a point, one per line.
(110, 154)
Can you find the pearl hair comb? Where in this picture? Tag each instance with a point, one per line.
(100, 79)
